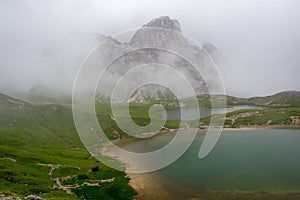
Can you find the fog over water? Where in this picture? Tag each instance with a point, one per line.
(259, 40)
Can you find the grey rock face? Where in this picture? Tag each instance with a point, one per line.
(161, 42)
(164, 22)
(163, 31)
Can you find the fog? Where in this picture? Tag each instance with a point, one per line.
(259, 40)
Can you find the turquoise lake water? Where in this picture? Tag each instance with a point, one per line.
(189, 114)
(246, 160)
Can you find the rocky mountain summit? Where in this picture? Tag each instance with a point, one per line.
(164, 22)
(162, 30)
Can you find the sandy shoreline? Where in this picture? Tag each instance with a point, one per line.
(145, 185)
(251, 127)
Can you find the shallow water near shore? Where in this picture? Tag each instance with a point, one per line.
(249, 160)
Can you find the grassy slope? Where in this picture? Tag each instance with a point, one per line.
(288, 99)
(271, 116)
(282, 99)
(46, 134)
(275, 116)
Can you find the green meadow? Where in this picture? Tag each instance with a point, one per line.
(34, 136)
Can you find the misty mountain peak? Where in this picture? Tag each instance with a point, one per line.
(161, 32)
(164, 22)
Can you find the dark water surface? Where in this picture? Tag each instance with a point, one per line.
(243, 160)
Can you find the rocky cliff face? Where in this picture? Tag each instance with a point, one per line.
(163, 31)
(159, 38)
(164, 22)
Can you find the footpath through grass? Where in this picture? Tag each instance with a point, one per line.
(41, 154)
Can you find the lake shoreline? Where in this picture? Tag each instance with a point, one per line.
(249, 127)
(146, 185)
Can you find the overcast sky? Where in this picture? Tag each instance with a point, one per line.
(259, 39)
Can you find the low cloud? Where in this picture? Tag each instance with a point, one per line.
(259, 39)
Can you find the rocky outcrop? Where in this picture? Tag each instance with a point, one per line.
(156, 43)
(165, 22)
(8, 197)
(32, 197)
(163, 32)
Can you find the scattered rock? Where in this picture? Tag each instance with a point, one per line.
(32, 197)
(11, 159)
(4, 197)
(295, 120)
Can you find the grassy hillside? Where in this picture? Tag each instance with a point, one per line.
(272, 116)
(41, 154)
(282, 99)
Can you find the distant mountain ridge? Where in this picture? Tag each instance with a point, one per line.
(286, 98)
(280, 99)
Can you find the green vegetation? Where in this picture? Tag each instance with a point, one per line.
(278, 116)
(36, 138)
(271, 116)
(282, 99)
